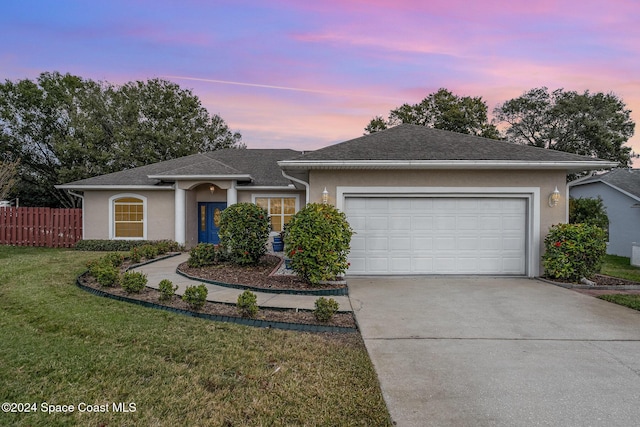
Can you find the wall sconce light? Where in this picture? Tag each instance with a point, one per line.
(325, 196)
(554, 197)
(212, 188)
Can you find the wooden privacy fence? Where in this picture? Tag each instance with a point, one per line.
(54, 228)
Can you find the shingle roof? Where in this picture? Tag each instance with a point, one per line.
(627, 180)
(260, 164)
(414, 142)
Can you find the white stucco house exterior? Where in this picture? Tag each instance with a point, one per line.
(420, 200)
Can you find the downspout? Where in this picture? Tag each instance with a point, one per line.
(81, 197)
(299, 181)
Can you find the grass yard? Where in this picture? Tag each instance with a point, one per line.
(63, 346)
(631, 301)
(618, 266)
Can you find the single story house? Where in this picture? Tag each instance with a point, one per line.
(620, 193)
(420, 200)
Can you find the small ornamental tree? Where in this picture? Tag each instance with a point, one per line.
(244, 231)
(318, 239)
(573, 251)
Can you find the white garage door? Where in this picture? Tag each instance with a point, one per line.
(437, 235)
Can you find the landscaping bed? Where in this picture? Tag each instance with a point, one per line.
(601, 283)
(150, 295)
(257, 277)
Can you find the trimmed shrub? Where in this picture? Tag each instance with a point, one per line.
(167, 289)
(106, 274)
(203, 254)
(134, 255)
(325, 309)
(133, 281)
(573, 251)
(317, 241)
(114, 259)
(247, 304)
(148, 251)
(125, 245)
(195, 296)
(244, 231)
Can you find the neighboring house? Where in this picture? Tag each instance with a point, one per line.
(620, 193)
(420, 200)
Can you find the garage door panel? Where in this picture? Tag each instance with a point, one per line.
(400, 264)
(467, 223)
(399, 243)
(358, 243)
(444, 265)
(413, 235)
(421, 244)
(377, 223)
(377, 265)
(400, 223)
(377, 203)
(466, 243)
(375, 243)
(490, 223)
(444, 243)
(421, 223)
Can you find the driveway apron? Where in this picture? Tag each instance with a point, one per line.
(478, 351)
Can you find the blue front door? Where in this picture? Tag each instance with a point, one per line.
(209, 221)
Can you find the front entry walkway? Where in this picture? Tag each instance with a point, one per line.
(499, 352)
(166, 269)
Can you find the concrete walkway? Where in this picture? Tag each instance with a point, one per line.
(166, 269)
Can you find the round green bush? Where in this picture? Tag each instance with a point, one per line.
(318, 238)
(167, 289)
(203, 254)
(106, 274)
(195, 296)
(325, 309)
(247, 304)
(133, 281)
(244, 231)
(573, 251)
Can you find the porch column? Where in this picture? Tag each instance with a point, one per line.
(180, 214)
(232, 194)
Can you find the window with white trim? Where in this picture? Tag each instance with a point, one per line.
(280, 209)
(128, 218)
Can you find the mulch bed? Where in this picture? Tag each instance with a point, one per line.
(255, 276)
(602, 280)
(220, 309)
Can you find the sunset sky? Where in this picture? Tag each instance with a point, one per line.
(305, 74)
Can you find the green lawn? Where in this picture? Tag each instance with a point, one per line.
(63, 346)
(631, 301)
(618, 266)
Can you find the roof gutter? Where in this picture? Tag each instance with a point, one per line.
(199, 177)
(299, 181)
(81, 187)
(444, 164)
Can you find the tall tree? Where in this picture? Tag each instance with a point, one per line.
(8, 178)
(595, 125)
(66, 128)
(441, 110)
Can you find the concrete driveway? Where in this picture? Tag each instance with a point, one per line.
(499, 352)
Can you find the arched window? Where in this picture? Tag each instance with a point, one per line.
(128, 214)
